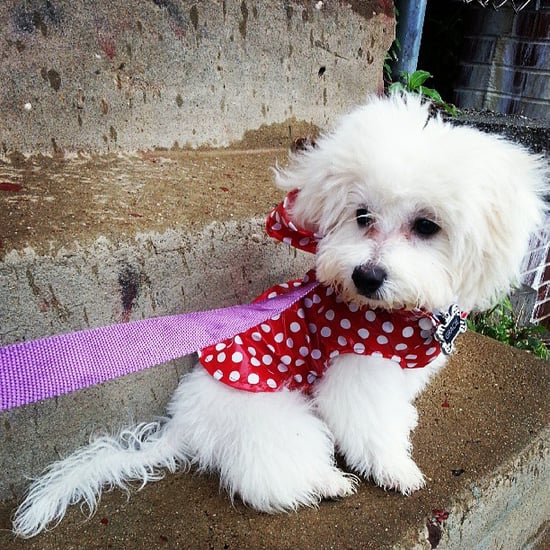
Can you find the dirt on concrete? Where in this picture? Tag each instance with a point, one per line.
(487, 405)
(49, 202)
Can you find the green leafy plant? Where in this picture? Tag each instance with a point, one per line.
(414, 83)
(392, 55)
(500, 323)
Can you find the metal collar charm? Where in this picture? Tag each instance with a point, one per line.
(452, 323)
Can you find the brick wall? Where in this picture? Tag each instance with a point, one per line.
(505, 62)
(536, 273)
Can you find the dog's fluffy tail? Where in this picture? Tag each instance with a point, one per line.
(140, 453)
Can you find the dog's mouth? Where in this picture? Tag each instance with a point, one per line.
(378, 299)
(369, 285)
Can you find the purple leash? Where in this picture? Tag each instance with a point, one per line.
(45, 368)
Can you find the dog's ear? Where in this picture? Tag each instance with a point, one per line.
(297, 175)
(306, 211)
(323, 196)
(507, 192)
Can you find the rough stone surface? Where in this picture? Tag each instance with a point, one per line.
(506, 510)
(59, 205)
(119, 76)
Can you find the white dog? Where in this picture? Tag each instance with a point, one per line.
(407, 215)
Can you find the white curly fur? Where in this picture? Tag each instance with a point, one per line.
(276, 450)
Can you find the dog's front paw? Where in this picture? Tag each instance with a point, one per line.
(337, 484)
(401, 474)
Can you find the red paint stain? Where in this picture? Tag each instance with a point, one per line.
(178, 32)
(387, 7)
(107, 45)
(8, 186)
(440, 515)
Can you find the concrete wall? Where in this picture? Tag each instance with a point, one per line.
(108, 76)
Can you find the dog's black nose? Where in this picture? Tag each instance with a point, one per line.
(368, 279)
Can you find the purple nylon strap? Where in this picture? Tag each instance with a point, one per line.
(45, 368)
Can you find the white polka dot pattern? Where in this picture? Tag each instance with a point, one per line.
(294, 349)
(281, 228)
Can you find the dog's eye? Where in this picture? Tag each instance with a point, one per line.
(425, 227)
(363, 217)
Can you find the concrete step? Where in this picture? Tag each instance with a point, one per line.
(79, 232)
(93, 241)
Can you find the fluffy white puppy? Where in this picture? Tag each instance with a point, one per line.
(409, 214)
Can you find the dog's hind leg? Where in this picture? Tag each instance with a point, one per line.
(269, 448)
(139, 453)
